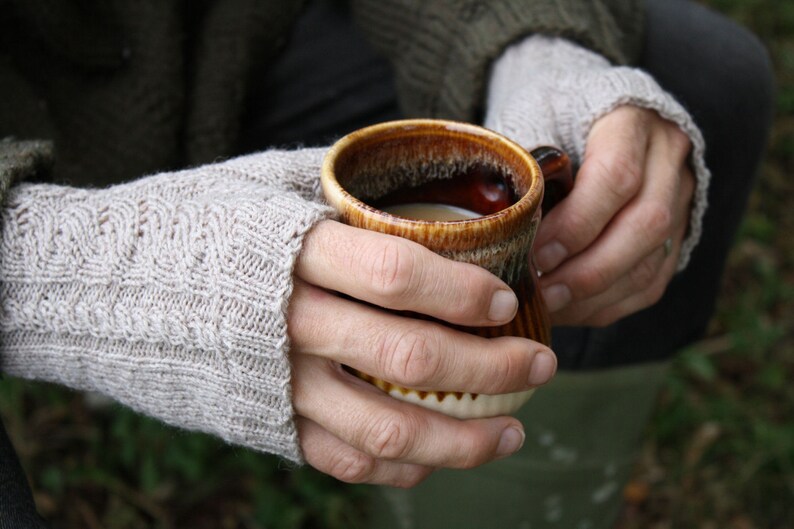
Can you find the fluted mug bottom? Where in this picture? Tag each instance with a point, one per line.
(454, 403)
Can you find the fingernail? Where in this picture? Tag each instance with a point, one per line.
(550, 256)
(556, 297)
(544, 365)
(503, 306)
(512, 439)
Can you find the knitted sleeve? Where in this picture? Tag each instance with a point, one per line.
(168, 294)
(442, 49)
(549, 91)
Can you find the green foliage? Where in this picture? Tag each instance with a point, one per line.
(109, 464)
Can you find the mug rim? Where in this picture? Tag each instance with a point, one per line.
(339, 198)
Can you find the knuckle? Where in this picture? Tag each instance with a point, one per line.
(475, 285)
(657, 221)
(409, 357)
(579, 231)
(578, 223)
(390, 437)
(391, 270)
(352, 467)
(643, 275)
(478, 451)
(621, 174)
(509, 368)
(590, 281)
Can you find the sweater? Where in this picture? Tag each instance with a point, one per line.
(126, 89)
(170, 292)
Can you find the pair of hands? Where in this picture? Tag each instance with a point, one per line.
(603, 257)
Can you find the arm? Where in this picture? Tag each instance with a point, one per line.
(208, 298)
(167, 294)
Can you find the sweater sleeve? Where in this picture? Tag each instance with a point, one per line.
(441, 50)
(169, 294)
(549, 91)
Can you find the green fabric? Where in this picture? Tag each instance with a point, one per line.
(441, 49)
(23, 160)
(126, 89)
(583, 436)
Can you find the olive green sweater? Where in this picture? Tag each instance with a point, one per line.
(129, 88)
(170, 292)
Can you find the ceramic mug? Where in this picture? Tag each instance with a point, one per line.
(492, 187)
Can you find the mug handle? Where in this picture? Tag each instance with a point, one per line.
(557, 175)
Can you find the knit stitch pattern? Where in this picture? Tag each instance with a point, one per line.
(168, 294)
(442, 50)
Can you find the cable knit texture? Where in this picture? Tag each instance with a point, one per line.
(548, 90)
(168, 294)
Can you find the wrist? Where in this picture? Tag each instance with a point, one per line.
(548, 90)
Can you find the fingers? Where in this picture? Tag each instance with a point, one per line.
(356, 432)
(638, 229)
(330, 455)
(399, 274)
(413, 353)
(650, 283)
(385, 429)
(611, 175)
(641, 298)
(625, 268)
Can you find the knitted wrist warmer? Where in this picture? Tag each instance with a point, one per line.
(549, 91)
(168, 294)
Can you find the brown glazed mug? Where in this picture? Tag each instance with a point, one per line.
(500, 188)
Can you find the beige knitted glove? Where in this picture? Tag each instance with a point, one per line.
(168, 294)
(549, 91)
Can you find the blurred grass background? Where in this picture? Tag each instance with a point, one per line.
(718, 454)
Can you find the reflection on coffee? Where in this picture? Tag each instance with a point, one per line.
(479, 187)
(430, 211)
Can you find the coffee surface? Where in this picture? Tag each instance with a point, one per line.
(431, 211)
(480, 189)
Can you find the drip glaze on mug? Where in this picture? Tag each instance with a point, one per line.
(462, 166)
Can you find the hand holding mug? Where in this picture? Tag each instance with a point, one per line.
(392, 309)
(611, 247)
(354, 431)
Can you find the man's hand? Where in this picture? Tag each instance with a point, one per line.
(350, 429)
(603, 250)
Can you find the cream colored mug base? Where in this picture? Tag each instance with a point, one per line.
(468, 407)
(458, 405)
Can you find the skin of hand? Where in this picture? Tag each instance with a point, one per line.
(352, 430)
(601, 250)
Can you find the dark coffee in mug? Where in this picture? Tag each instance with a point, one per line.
(431, 211)
(479, 189)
